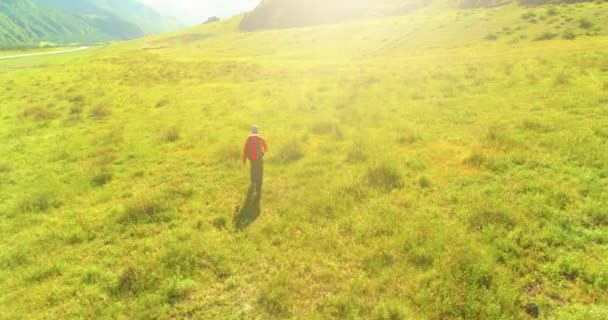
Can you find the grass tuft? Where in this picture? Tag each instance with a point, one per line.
(290, 152)
(40, 201)
(585, 23)
(476, 159)
(99, 112)
(102, 178)
(171, 135)
(147, 206)
(38, 113)
(385, 176)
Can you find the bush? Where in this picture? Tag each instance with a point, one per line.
(171, 135)
(38, 113)
(552, 11)
(485, 217)
(325, 127)
(147, 206)
(4, 168)
(408, 136)
(385, 176)
(127, 280)
(528, 15)
(425, 182)
(40, 201)
(211, 20)
(391, 310)
(179, 290)
(491, 37)
(356, 154)
(77, 100)
(598, 215)
(99, 112)
(162, 102)
(562, 78)
(546, 36)
(101, 179)
(275, 299)
(290, 152)
(584, 23)
(476, 159)
(569, 35)
(220, 222)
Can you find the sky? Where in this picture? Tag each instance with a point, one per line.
(197, 11)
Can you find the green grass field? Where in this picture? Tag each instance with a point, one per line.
(430, 166)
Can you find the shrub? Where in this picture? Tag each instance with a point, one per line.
(425, 182)
(127, 280)
(484, 217)
(345, 306)
(274, 299)
(38, 113)
(77, 100)
(385, 176)
(569, 35)
(552, 11)
(391, 310)
(598, 215)
(491, 37)
(102, 178)
(220, 222)
(528, 15)
(407, 137)
(171, 135)
(290, 152)
(356, 154)
(476, 159)
(546, 36)
(40, 201)
(179, 290)
(182, 258)
(162, 103)
(584, 23)
(4, 168)
(325, 127)
(562, 78)
(147, 206)
(99, 112)
(211, 20)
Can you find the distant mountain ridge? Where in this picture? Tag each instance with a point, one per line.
(272, 14)
(30, 22)
(277, 14)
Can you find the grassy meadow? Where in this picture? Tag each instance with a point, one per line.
(430, 166)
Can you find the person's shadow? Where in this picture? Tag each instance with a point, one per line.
(250, 211)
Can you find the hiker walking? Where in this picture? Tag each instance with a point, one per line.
(254, 150)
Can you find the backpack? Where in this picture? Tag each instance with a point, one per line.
(254, 148)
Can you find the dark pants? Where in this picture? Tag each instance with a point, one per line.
(257, 174)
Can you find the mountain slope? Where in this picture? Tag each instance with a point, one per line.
(29, 22)
(25, 22)
(146, 18)
(289, 13)
(273, 14)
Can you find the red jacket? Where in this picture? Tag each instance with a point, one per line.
(253, 146)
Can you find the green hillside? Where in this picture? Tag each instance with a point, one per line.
(29, 22)
(446, 164)
(144, 17)
(24, 22)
